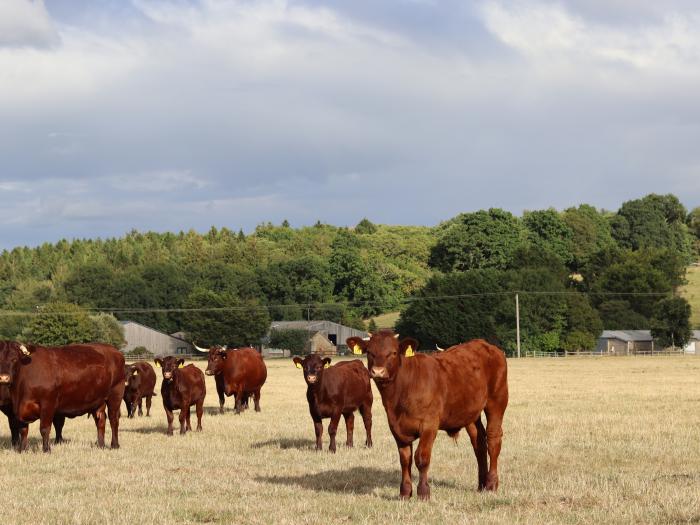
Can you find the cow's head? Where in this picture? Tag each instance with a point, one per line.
(169, 364)
(132, 377)
(215, 363)
(12, 356)
(385, 352)
(313, 366)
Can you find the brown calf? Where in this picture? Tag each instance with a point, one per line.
(140, 382)
(50, 384)
(240, 372)
(335, 390)
(448, 391)
(182, 387)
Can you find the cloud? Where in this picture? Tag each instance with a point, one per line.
(26, 23)
(173, 115)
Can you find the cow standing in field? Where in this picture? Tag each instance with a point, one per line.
(50, 384)
(240, 372)
(6, 408)
(182, 387)
(337, 390)
(140, 382)
(448, 391)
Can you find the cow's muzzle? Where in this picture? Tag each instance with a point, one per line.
(208, 373)
(379, 372)
(5, 379)
(167, 375)
(311, 378)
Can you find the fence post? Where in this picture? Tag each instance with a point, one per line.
(517, 322)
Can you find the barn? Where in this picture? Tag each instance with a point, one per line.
(335, 333)
(631, 342)
(155, 341)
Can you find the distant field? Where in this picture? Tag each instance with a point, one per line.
(387, 320)
(597, 440)
(691, 292)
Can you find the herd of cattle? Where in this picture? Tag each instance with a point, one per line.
(421, 393)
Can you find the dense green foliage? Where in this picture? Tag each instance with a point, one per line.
(290, 339)
(577, 271)
(670, 324)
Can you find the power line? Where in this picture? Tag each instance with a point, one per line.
(308, 306)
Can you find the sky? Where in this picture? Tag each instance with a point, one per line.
(176, 115)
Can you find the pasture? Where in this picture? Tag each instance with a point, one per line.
(614, 440)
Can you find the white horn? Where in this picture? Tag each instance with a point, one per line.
(203, 350)
(396, 336)
(439, 349)
(224, 348)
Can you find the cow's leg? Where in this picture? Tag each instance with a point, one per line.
(24, 436)
(256, 399)
(46, 414)
(423, 453)
(183, 416)
(318, 429)
(477, 435)
(200, 412)
(14, 431)
(113, 405)
(148, 406)
(349, 427)
(494, 435)
(238, 396)
(333, 430)
(366, 412)
(101, 422)
(169, 415)
(406, 460)
(187, 417)
(220, 391)
(140, 402)
(58, 422)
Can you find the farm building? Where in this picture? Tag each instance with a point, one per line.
(319, 344)
(630, 342)
(335, 333)
(155, 341)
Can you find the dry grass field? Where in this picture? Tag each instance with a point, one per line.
(587, 440)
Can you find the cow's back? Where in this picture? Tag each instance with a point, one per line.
(345, 384)
(148, 377)
(245, 367)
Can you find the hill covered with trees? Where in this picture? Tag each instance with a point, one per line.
(580, 270)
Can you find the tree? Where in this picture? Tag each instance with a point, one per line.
(617, 314)
(591, 233)
(87, 285)
(483, 239)
(106, 329)
(372, 326)
(365, 227)
(222, 319)
(547, 230)
(60, 324)
(693, 222)
(583, 324)
(293, 340)
(670, 325)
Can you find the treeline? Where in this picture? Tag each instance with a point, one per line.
(225, 287)
(577, 271)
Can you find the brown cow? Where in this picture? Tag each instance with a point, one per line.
(140, 382)
(182, 387)
(448, 391)
(240, 372)
(53, 383)
(335, 390)
(6, 408)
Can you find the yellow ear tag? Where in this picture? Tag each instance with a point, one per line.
(158, 365)
(24, 350)
(410, 352)
(357, 350)
(181, 365)
(298, 365)
(327, 365)
(136, 372)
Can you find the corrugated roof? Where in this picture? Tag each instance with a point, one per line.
(627, 335)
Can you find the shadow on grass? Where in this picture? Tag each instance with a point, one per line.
(356, 480)
(150, 430)
(285, 443)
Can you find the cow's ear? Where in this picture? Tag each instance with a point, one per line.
(180, 363)
(158, 362)
(357, 345)
(408, 346)
(326, 362)
(297, 361)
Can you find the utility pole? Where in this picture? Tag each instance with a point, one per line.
(517, 322)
